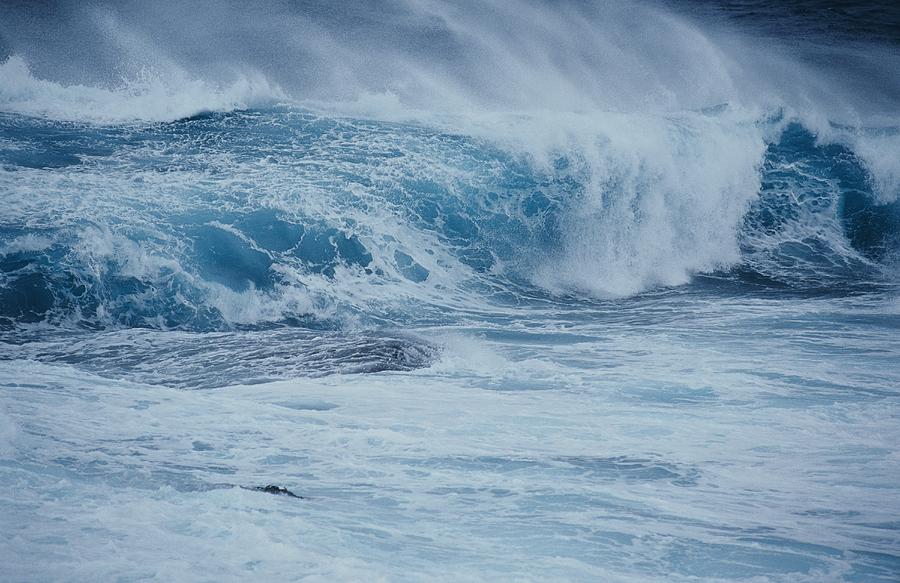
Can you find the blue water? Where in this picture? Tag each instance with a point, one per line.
(645, 330)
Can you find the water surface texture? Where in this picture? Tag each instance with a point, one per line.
(427, 291)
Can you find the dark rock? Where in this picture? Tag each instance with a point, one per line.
(270, 489)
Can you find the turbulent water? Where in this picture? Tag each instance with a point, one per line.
(532, 291)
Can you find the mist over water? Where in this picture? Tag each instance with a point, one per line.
(440, 56)
(513, 290)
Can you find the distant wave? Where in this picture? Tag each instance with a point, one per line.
(151, 96)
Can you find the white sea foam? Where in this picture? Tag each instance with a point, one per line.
(151, 96)
(7, 434)
(663, 196)
(26, 243)
(610, 452)
(880, 151)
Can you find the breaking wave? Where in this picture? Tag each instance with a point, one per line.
(285, 216)
(150, 95)
(439, 165)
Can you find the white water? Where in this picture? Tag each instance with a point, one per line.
(508, 461)
(151, 96)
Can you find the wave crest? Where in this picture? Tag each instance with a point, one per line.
(152, 96)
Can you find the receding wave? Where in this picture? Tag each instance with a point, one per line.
(209, 360)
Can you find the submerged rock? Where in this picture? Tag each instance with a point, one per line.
(271, 489)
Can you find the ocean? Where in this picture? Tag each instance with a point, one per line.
(450, 291)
